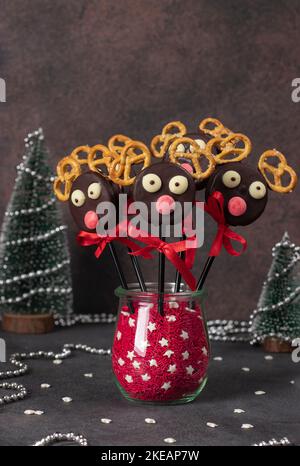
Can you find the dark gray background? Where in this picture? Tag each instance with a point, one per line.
(87, 69)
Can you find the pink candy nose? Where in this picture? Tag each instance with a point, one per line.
(165, 205)
(237, 206)
(91, 220)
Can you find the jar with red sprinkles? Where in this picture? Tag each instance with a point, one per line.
(160, 357)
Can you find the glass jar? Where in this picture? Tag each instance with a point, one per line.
(160, 358)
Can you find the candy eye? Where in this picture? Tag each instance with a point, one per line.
(231, 179)
(180, 148)
(94, 190)
(200, 143)
(178, 184)
(78, 198)
(151, 183)
(257, 190)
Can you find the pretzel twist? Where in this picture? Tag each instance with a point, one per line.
(196, 156)
(277, 172)
(217, 131)
(117, 142)
(80, 151)
(100, 155)
(68, 169)
(225, 150)
(133, 153)
(160, 143)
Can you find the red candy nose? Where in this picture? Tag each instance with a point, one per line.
(165, 204)
(237, 206)
(91, 220)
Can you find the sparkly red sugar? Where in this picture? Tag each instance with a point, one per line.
(160, 358)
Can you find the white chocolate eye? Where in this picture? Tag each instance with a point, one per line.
(257, 190)
(151, 183)
(78, 198)
(94, 190)
(231, 179)
(200, 143)
(180, 148)
(178, 184)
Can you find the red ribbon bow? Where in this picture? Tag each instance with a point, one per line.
(170, 250)
(215, 208)
(85, 238)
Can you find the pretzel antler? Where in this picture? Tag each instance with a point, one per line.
(196, 155)
(277, 171)
(100, 155)
(68, 169)
(133, 153)
(214, 128)
(233, 148)
(160, 143)
(117, 142)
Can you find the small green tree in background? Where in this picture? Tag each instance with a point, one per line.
(278, 312)
(35, 273)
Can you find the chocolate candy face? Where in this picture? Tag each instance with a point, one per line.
(88, 190)
(162, 185)
(244, 189)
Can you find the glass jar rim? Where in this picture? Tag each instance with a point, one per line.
(134, 291)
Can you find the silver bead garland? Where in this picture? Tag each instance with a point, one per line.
(30, 239)
(38, 273)
(33, 210)
(59, 437)
(34, 291)
(273, 443)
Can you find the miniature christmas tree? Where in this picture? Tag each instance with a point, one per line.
(276, 321)
(35, 274)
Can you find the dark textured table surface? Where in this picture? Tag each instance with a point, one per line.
(274, 414)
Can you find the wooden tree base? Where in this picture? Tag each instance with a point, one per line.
(276, 345)
(27, 323)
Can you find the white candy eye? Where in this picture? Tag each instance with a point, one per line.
(180, 148)
(200, 143)
(78, 198)
(178, 184)
(257, 190)
(94, 190)
(151, 183)
(231, 179)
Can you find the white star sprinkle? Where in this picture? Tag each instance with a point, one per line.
(204, 350)
(168, 353)
(105, 420)
(171, 318)
(128, 378)
(189, 309)
(218, 358)
(260, 392)
(211, 424)
(268, 357)
(172, 368)
(89, 375)
(136, 364)
(173, 305)
(153, 362)
(185, 355)
(166, 386)
(247, 426)
(245, 369)
(39, 413)
(130, 355)
(189, 370)
(67, 399)
(30, 412)
(163, 342)
(146, 377)
(292, 382)
(126, 314)
(184, 335)
(149, 420)
(169, 440)
(121, 362)
(238, 411)
(119, 334)
(131, 322)
(151, 327)
(45, 385)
